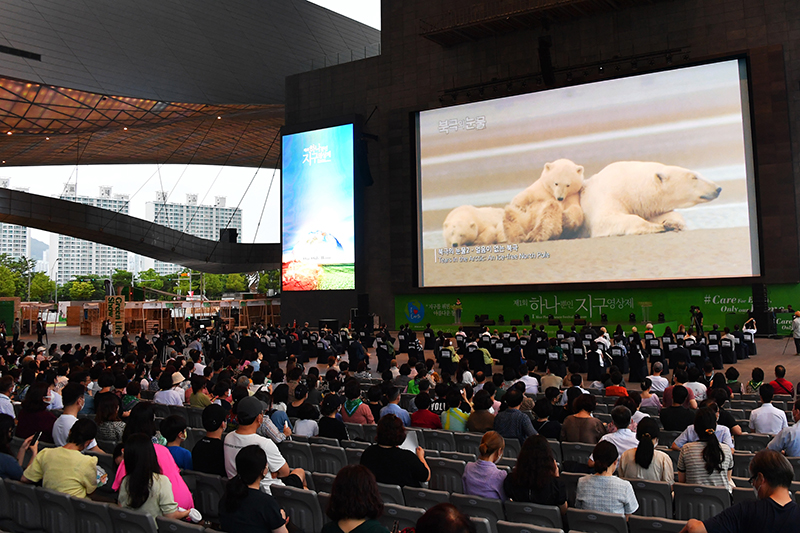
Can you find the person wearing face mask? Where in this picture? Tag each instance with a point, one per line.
(483, 478)
(773, 510)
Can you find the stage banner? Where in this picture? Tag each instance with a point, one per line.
(115, 313)
(720, 305)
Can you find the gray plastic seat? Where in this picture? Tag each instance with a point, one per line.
(355, 444)
(193, 436)
(516, 527)
(391, 494)
(482, 525)
(741, 463)
(570, 481)
(130, 521)
(752, 442)
(168, 525)
(646, 524)
(58, 516)
(478, 506)
(446, 474)
(91, 517)
(208, 492)
(512, 448)
(440, 440)
(355, 431)
(547, 516)
(404, 516)
(457, 456)
(324, 498)
(596, 522)
(700, 502)
(25, 509)
(742, 495)
(370, 432)
(327, 459)
(327, 441)
(555, 446)
(654, 497)
(322, 482)
(424, 498)
(5, 508)
(576, 451)
(468, 442)
(666, 438)
(194, 417)
(302, 506)
(297, 454)
(353, 455)
(106, 462)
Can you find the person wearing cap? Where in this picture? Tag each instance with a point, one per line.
(173, 395)
(250, 414)
(330, 426)
(208, 455)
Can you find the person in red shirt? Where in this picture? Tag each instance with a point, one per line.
(615, 389)
(782, 385)
(423, 417)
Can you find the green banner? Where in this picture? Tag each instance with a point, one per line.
(720, 305)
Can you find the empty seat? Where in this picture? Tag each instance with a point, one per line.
(555, 446)
(477, 506)
(752, 442)
(91, 517)
(24, 505)
(322, 482)
(570, 481)
(468, 443)
(576, 451)
(58, 516)
(327, 459)
(424, 498)
(466, 457)
(654, 497)
(440, 440)
(324, 499)
(516, 527)
(741, 494)
(130, 521)
(446, 474)
(512, 448)
(482, 525)
(596, 522)
(353, 455)
(700, 502)
(370, 432)
(645, 524)
(194, 417)
(404, 516)
(391, 494)
(355, 444)
(208, 492)
(5, 508)
(297, 454)
(323, 440)
(741, 463)
(548, 516)
(167, 525)
(302, 506)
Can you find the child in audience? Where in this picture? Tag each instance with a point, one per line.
(173, 428)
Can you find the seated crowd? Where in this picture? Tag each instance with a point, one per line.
(73, 397)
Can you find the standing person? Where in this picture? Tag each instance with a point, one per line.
(483, 478)
(15, 332)
(355, 502)
(602, 491)
(796, 332)
(457, 308)
(697, 320)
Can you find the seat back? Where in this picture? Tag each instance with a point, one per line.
(700, 502)
(5, 506)
(106, 462)
(168, 525)
(91, 517)
(548, 516)
(355, 444)
(512, 448)
(741, 463)
(477, 506)
(466, 457)
(355, 431)
(442, 441)
(130, 521)
(193, 436)
(646, 524)
(596, 522)
(56, 510)
(517, 527)
(327, 459)
(752, 442)
(25, 510)
(404, 516)
(570, 481)
(424, 498)
(327, 441)
(322, 482)
(391, 494)
(302, 506)
(446, 474)
(353, 455)
(483, 525)
(742, 495)
(297, 454)
(208, 492)
(576, 451)
(654, 497)
(194, 417)
(468, 442)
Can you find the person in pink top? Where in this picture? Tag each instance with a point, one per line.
(142, 420)
(354, 410)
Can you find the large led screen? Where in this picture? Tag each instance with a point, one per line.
(647, 177)
(317, 207)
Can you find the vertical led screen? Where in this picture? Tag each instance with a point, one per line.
(317, 210)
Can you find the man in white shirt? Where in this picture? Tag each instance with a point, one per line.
(250, 414)
(173, 396)
(700, 391)
(767, 419)
(72, 395)
(6, 388)
(624, 439)
(659, 383)
(530, 381)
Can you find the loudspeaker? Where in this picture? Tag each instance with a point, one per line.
(760, 298)
(363, 304)
(546, 61)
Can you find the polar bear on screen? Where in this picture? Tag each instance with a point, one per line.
(468, 225)
(637, 198)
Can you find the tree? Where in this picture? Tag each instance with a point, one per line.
(81, 290)
(42, 287)
(235, 283)
(121, 278)
(7, 285)
(214, 286)
(269, 279)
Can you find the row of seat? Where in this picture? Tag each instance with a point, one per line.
(29, 509)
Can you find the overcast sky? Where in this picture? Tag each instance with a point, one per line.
(365, 11)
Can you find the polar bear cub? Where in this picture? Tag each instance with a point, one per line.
(636, 198)
(549, 206)
(467, 225)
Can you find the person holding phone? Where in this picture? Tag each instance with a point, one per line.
(10, 466)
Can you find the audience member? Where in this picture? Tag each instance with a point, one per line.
(330, 426)
(677, 417)
(208, 454)
(6, 390)
(11, 467)
(602, 491)
(171, 392)
(788, 440)
(482, 477)
(679, 378)
(72, 396)
(767, 419)
(355, 503)
(34, 416)
(354, 409)
(512, 423)
(444, 518)
(615, 389)
(393, 407)
(781, 385)
(544, 425)
(110, 426)
(757, 379)
(173, 428)
(582, 426)
(644, 461)
(391, 464)
(454, 419)
(623, 438)
(535, 477)
(423, 417)
(706, 462)
(658, 383)
(481, 419)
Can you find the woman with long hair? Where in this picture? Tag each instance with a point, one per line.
(648, 398)
(34, 416)
(706, 462)
(11, 467)
(535, 477)
(244, 507)
(603, 491)
(483, 478)
(144, 488)
(109, 425)
(644, 461)
(355, 502)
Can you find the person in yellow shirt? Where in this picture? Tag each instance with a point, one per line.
(66, 469)
(200, 397)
